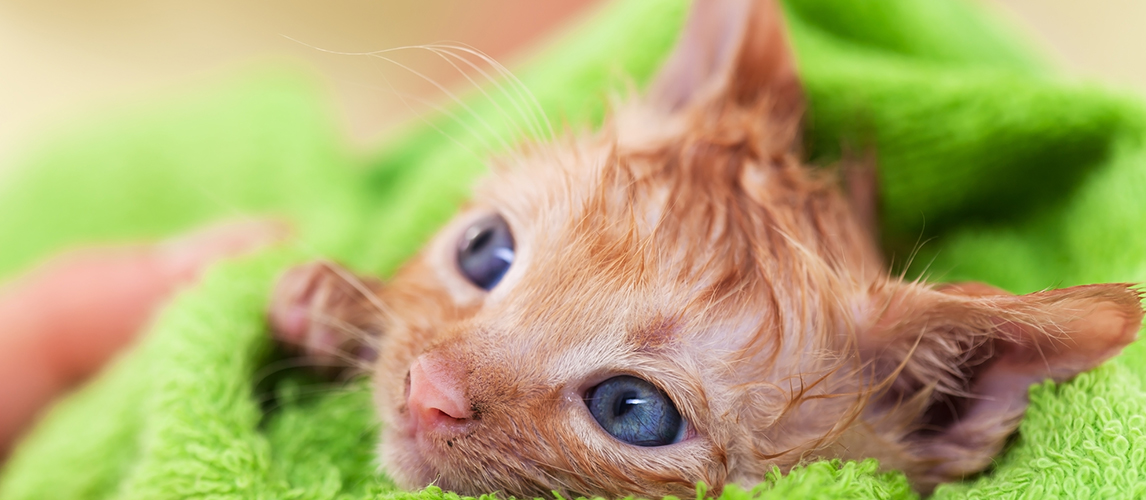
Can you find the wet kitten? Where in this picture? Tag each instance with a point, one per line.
(677, 299)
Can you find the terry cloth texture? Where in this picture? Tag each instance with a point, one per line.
(1010, 173)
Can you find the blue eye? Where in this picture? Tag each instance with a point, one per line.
(635, 411)
(485, 251)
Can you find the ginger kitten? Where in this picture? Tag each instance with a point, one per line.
(676, 299)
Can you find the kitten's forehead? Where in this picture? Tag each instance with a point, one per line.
(589, 217)
(600, 276)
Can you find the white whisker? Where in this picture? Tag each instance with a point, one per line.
(405, 98)
(505, 73)
(361, 287)
(378, 54)
(531, 123)
(453, 97)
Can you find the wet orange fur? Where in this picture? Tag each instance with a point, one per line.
(688, 245)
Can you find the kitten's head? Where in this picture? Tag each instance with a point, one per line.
(676, 299)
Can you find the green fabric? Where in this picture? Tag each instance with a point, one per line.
(1005, 171)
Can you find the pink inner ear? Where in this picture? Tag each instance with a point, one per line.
(702, 53)
(1054, 335)
(1089, 325)
(735, 49)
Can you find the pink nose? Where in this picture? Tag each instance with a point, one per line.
(437, 399)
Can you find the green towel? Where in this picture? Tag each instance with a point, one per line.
(1010, 174)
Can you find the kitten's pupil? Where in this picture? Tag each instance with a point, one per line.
(486, 251)
(479, 241)
(626, 403)
(635, 411)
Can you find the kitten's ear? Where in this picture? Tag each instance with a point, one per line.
(735, 49)
(959, 360)
(327, 314)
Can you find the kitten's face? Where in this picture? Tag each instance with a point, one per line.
(676, 299)
(672, 259)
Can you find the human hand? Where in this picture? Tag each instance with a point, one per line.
(64, 320)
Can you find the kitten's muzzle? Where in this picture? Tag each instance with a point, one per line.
(436, 398)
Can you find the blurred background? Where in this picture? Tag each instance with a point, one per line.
(61, 58)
